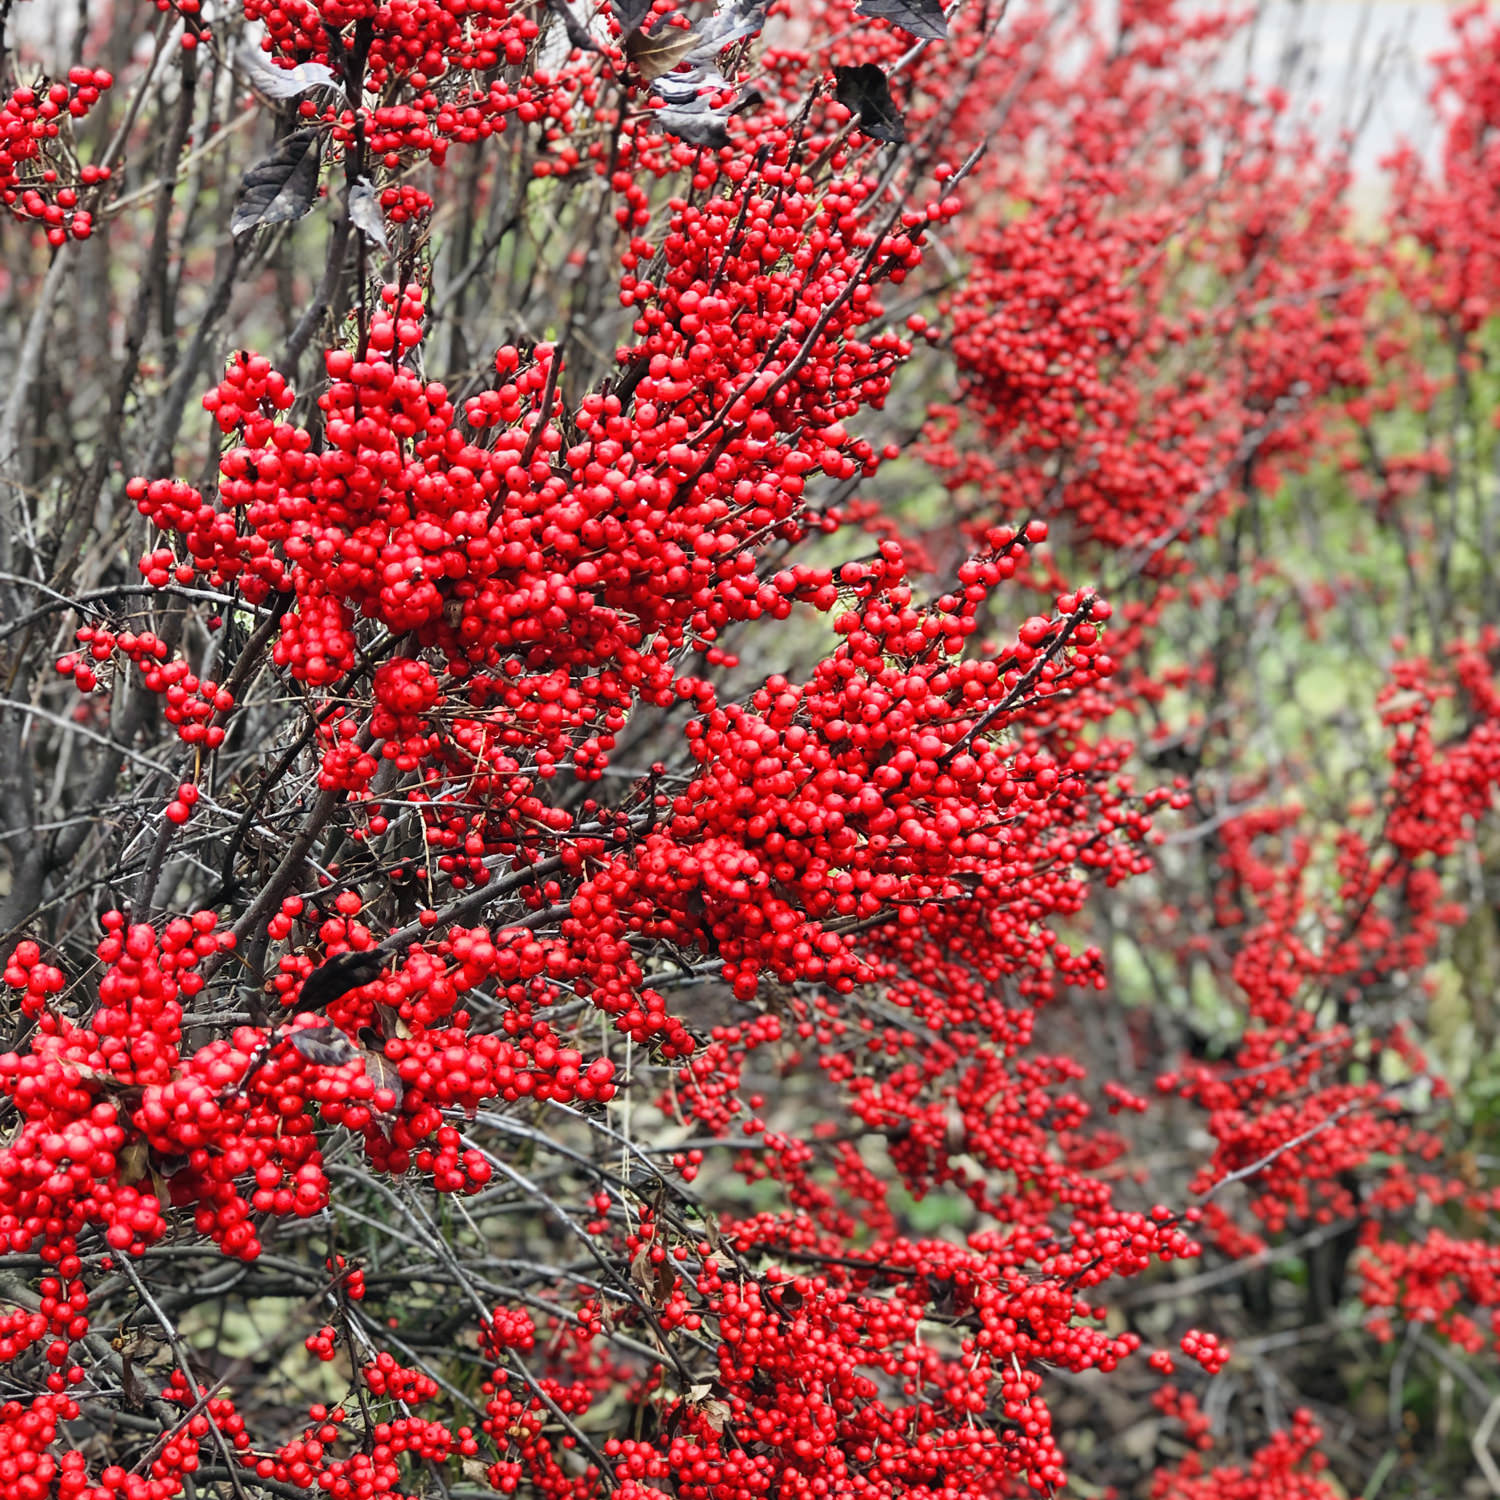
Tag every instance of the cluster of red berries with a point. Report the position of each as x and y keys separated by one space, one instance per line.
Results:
x=802 y=1359
x=351 y=1278
x=323 y=1343
x=1208 y=1349
x=67 y=1168
x=1182 y=1407
x=311 y=1463
x=402 y=203
x=1284 y=1102
x=195 y=28
x=31 y=1470
x=1451 y=213
x=881 y=855
x=1439 y=792
x=384 y=1377
x=433 y=75
x=515 y=1421
x=39 y=180
x=576 y=558
x=416 y=41
x=1431 y=1280
x=189 y=702
x=1288 y=1466
x=508 y=1328
x=1075 y=332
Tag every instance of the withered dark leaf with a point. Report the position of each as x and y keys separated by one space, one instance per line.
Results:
x=790 y=1299
x=365 y=212
x=134 y=1160
x=732 y=22
x=923 y=19
x=159 y=1185
x=711 y=1230
x=640 y=1269
x=646 y=1184
x=390 y=1020
x=715 y=1413
x=654 y=1278
x=690 y=113
x=339 y=975
x=130 y=1387
x=659 y=51
x=326 y=1046
x=630 y=14
x=704 y=127
x=383 y=1073
x=955 y=1130
x=866 y=93
x=284 y=83
x=282 y=186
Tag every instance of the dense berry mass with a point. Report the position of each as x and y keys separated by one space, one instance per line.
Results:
x=707 y=889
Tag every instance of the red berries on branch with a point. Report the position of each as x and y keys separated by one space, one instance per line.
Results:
x=189 y=702
x=41 y=179
x=675 y=1053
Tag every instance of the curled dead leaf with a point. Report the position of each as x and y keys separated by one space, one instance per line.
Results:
x=326 y=1046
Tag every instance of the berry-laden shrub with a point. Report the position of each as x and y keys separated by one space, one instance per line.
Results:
x=673 y=870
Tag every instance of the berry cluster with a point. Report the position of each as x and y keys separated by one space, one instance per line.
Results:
x=40 y=179
x=1206 y=1348
x=377 y=1467
x=815 y=921
x=33 y=1471
x=1288 y=1466
x=189 y=702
